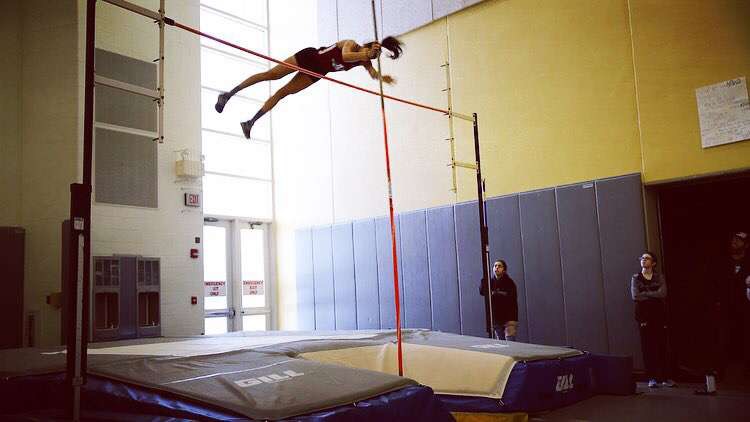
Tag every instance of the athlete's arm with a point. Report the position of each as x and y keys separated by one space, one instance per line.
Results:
x=374 y=73
x=352 y=52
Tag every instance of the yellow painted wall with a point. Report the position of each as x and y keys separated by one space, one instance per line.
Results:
x=418 y=149
x=10 y=104
x=680 y=46
x=553 y=85
x=49 y=133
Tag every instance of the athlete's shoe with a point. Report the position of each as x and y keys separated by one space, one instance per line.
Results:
x=246 y=128
x=221 y=101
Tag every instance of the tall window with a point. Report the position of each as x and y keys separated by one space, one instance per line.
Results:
x=237 y=186
x=238 y=178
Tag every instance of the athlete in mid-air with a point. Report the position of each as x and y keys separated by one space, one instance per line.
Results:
x=343 y=55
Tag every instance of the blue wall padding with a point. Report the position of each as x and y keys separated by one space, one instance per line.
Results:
x=470 y=269
x=541 y=257
x=441 y=249
x=305 y=283
x=366 y=275
x=325 y=315
x=581 y=267
x=571 y=251
x=345 y=295
x=622 y=238
x=385 y=272
x=504 y=226
x=417 y=307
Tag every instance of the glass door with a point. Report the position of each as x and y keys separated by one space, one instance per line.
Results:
x=254 y=297
x=236 y=276
x=217 y=264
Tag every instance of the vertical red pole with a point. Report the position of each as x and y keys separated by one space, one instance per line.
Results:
x=394 y=255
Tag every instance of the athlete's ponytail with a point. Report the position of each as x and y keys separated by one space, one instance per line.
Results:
x=393 y=45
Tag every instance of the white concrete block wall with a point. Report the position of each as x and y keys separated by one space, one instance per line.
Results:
x=10 y=104
x=167 y=232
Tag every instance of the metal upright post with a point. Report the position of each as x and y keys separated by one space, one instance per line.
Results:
x=80 y=239
x=160 y=101
x=482 y=220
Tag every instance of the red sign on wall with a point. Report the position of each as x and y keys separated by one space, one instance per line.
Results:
x=192 y=199
x=253 y=287
x=215 y=288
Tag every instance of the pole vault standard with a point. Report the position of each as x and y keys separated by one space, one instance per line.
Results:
x=80 y=199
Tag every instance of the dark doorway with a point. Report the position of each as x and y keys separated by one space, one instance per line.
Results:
x=698 y=219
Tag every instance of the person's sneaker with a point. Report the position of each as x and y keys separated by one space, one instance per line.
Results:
x=653 y=383
x=703 y=391
x=246 y=127
x=669 y=383
x=221 y=102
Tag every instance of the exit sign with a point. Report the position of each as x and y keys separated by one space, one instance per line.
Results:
x=192 y=199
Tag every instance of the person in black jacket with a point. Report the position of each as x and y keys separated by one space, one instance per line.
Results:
x=649 y=291
x=736 y=273
x=504 y=302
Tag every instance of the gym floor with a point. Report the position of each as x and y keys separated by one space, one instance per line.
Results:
x=730 y=403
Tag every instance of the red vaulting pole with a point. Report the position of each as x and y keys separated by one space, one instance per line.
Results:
x=396 y=295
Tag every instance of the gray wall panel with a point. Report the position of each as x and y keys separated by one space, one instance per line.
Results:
x=441 y=250
x=581 y=268
x=325 y=314
x=541 y=257
x=327 y=22
x=125 y=69
x=125 y=169
x=442 y=8
x=366 y=275
x=469 y=247
x=417 y=307
x=125 y=109
x=355 y=20
x=385 y=272
x=305 y=283
x=345 y=296
x=504 y=225
x=403 y=16
x=622 y=238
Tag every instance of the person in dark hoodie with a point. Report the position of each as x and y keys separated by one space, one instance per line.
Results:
x=503 y=302
x=648 y=289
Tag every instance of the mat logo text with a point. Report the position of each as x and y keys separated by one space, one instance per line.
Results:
x=268 y=379
x=564 y=383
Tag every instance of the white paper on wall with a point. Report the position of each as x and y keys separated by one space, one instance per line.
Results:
x=724 y=112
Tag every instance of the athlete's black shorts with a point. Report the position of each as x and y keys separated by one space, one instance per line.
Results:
x=308 y=58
